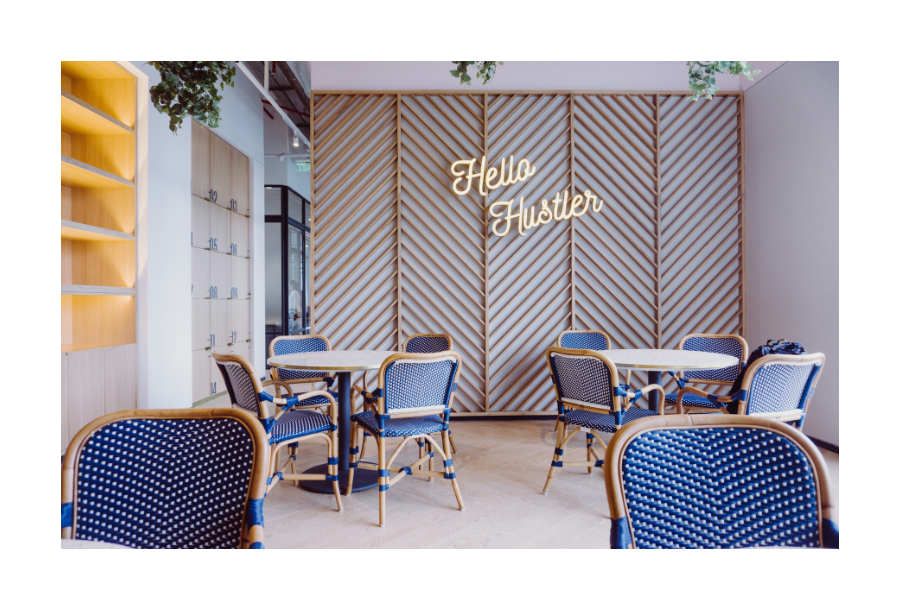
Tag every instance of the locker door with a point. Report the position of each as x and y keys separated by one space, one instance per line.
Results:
x=220 y=171
x=240 y=235
x=199 y=160
x=217 y=385
x=240 y=281
x=219 y=275
x=219 y=229
x=240 y=183
x=240 y=319
x=241 y=349
x=200 y=273
x=200 y=367
x=200 y=329
x=218 y=322
x=200 y=222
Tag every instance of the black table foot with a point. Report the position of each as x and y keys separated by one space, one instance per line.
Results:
x=363 y=479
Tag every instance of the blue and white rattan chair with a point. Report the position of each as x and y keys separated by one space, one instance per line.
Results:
x=717 y=481
x=589 y=398
x=732 y=345
x=287 y=421
x=777 y=386
x=301 y=344
x=413 y=400
x=596 y=340
x=421 y=343
x=165 y=479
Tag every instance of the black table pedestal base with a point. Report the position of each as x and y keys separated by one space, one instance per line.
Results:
x=363 y=479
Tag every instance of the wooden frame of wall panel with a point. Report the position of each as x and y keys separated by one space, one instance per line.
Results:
x=667 y=169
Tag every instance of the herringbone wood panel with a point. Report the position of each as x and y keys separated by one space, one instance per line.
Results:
x=397 y=252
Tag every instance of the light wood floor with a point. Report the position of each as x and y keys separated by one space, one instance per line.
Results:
x=501 y=468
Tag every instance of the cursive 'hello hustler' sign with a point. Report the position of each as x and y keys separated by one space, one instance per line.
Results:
x=503 y=211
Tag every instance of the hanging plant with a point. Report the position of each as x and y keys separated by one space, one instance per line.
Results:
x=189 y=88
x=702 y=75
x=485 y=70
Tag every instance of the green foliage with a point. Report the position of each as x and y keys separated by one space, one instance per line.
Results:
x=485 y=70
x=188 y=88
x=702 y=75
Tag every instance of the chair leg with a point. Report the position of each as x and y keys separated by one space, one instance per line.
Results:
x=333 y=468
x=354 y=461
x=430 y=450
x=382 y=483
x=557 y=454
x=362 y=451
x=452 y=444
x=590 y=443
x=293 y=453
x=448 y=467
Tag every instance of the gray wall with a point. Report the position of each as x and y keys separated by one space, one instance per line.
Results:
x=791 y=150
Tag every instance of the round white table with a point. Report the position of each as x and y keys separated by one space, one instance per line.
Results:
x=656 y=361
x=344 y=363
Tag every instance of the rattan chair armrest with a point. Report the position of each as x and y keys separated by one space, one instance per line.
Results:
x=332 y=405
x=650 y=388
x=278 y=384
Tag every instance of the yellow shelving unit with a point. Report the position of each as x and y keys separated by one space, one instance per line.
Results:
x=97 y=232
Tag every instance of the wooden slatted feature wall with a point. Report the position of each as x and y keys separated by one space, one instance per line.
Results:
x=397 y=252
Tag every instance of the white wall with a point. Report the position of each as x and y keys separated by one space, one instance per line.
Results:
x=519 y=75
x=164 y=253
x=792 y=221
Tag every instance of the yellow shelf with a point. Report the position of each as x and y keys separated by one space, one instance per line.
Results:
x=93 y=70
x=78 y=231
x=81 y=175
x=77 y=347
x=82 y=118
x=96 y=290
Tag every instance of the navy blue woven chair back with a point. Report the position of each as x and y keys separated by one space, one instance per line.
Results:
x=718 y=488
x=584 y=340
x=164 y=483
x=300 y=345
x=717 y=345
x=427 y=345
x=414 y=384
x=779 y=387
x=241 y=390
x=582 y=378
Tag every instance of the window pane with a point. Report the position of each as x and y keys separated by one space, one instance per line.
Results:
x=273 y=202
x=295 y=207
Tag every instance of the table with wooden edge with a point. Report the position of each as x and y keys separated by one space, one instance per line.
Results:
x=658 y=361
x=344 y=363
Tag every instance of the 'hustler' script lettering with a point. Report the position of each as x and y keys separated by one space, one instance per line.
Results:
x=505 y=212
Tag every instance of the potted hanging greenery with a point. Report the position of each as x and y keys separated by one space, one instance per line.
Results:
x=701 y=74
x=191 y=88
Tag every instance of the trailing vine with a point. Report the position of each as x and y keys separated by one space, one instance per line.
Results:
x=702 y=75
x=189 y=88
x=485 y=70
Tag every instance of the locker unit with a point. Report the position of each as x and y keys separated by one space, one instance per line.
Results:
x=220 y=263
